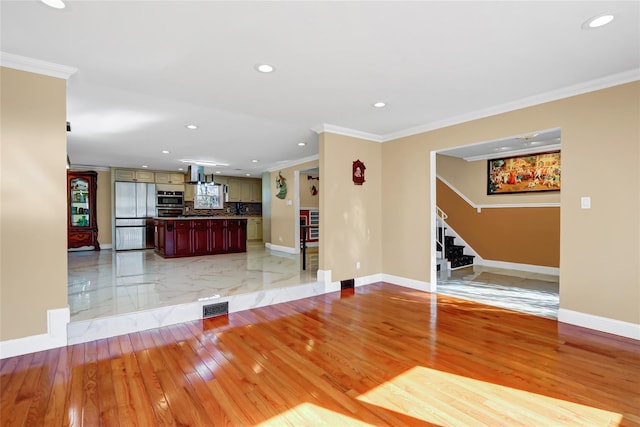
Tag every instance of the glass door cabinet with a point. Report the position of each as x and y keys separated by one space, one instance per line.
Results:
x=82 y=228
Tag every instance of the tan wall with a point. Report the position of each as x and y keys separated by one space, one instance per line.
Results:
x=470 y=178
x=350 y=220
x=284 y=220
x=103 y=201
x=307 y=199
x=600 y=133
x=520 y=235
x=33 y=223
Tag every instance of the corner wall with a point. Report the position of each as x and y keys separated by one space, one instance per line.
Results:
x=351 y=215
x=33 y=223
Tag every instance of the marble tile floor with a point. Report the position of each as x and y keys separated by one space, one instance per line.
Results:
x=531 y=293
x=111 y=293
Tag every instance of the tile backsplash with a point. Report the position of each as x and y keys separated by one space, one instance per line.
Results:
x=230 y=209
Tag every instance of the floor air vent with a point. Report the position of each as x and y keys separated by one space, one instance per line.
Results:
x=212 y=310
x=347 y=284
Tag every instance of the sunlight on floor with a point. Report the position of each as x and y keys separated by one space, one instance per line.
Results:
x=307 y=414
x=449 y=399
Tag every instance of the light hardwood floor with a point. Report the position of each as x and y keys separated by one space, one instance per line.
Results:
x=379 y=355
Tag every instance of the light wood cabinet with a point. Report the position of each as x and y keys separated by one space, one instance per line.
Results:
x=134 y=175
x=169 y=178
x=189 y=192
x=254 y=229
x=245 y=190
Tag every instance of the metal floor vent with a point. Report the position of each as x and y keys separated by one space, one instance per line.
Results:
x=212 y=310
x=347 y=284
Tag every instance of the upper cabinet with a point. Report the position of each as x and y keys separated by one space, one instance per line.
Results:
x=134 y=175
x=245 y=190
x=169 y=178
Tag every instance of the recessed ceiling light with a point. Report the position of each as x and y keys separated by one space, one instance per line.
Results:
x=501 y=148
x=145 y=166
x=254 y=161
x=265 y=68
x=180 y=169
x=218 y=172
x=191 y=127
x=247 y=174
x=379 y=104
x=165 y=151
x=302 y=144
x=56 y=4
x=597 y=21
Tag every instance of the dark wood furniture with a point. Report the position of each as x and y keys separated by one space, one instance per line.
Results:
x=82 y=226
x=182 y=237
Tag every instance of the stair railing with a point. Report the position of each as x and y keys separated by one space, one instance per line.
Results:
x=440 y=217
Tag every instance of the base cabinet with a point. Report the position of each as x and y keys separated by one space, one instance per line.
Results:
x=185 y=237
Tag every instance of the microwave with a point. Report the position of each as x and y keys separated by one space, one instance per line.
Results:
x=170 y=199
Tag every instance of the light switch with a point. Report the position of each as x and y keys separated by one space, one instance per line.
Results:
x=585 y=202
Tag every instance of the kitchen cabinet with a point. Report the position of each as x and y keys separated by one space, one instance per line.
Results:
x=237 y=235
x=169 y=178
x=245 y=190
x=182 y=238
x=134 y=175
x=254 y=229
x=189 y=192
x=82 y=226
x=178 y=237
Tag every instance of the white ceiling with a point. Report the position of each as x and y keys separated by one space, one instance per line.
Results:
x=148 y=68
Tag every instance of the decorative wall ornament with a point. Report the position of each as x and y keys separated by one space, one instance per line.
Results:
x=281 y=184
x=358 y=172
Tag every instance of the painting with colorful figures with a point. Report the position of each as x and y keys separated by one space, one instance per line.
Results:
x=524 y=174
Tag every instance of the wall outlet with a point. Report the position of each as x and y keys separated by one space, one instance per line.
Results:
x=358 y=265
x=280 y=238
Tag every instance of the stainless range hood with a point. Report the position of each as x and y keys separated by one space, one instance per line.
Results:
x=195 y=174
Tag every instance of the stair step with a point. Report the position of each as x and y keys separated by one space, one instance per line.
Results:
x=461 y=261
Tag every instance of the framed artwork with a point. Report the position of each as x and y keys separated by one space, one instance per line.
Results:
x=524 y=174
x=358 y=172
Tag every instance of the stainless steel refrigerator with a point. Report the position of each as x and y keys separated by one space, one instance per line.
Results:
x=135 y=206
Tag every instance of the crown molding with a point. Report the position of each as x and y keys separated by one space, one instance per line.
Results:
x=325 y=127
x=37 y=66
x=290 y=163
x=579 y=89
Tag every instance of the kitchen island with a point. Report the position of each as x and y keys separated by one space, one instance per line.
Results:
x=197 y=235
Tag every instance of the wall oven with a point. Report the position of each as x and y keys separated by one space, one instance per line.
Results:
x=169 y=212
x=170 y=199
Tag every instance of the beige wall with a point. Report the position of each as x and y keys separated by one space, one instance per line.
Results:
x=103 y=201
x=519 y=235
x=470 y=178
x=350 y=220
x=308 y=200
x=600 y=157
x=33 y=223
x=283 y=219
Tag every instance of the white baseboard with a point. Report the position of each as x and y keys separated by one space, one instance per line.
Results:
x=554 y=271
x=55 y=337
x=408 y=283
x=285 y=249
x=598 y=323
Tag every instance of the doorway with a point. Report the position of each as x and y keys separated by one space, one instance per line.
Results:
x=530 y=285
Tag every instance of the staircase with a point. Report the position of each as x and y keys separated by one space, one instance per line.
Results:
x=453 y=256
x=453 y=253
